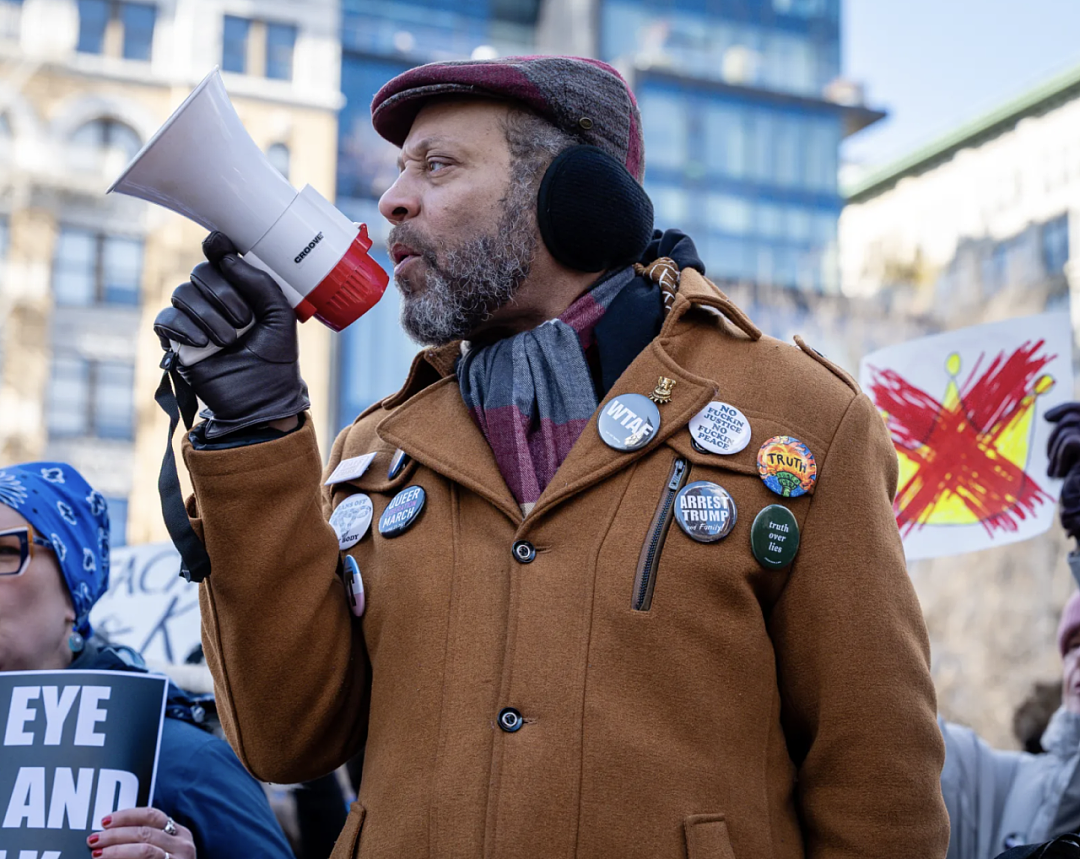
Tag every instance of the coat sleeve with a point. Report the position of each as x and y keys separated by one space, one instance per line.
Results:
x=975 y=783
x=289 y=664
x=857 y=702
x=209 y=792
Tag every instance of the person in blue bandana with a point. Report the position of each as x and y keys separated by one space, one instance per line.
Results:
x=54 y=565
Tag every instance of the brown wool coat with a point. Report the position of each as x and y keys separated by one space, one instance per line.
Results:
x=748 y=714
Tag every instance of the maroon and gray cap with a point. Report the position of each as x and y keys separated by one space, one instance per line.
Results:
x=585 y=98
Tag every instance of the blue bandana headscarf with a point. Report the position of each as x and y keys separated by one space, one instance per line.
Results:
x=64 y=509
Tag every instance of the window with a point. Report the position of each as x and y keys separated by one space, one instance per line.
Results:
x=90 y=268
x=822 y=154
x=278 y=155
x=280 y=40
x=762 y=152
x=93 y=20
x=671 y=205
x=726 y=143
x=1055 y=244
x=138 y=23
x=234 y=44
x=114 y=399
x=787 y=151
x=91 y=398
x=69 y=397
x=116 y=28
x=728 y=214
x=5 y=237
x=664 y=123
x=93 y=145
x=262 y=48
x=10 y=14
x=118 y=518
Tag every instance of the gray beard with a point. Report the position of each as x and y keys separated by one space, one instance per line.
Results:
x=467 y=282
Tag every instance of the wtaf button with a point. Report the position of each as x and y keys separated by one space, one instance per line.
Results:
x=510 y=720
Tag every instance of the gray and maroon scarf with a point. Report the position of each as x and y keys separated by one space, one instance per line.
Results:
x=532 y=394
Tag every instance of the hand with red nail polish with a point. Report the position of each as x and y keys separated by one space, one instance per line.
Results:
x=140 y=833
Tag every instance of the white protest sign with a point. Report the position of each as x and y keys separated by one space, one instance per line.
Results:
x=76 y=746
x=148 y=607
x=965 y=410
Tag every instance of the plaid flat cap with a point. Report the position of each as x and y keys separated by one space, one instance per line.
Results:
x=585 y=98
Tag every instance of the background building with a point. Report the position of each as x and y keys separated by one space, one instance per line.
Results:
x=83 y=85
x=743 y=108
x=977 y=226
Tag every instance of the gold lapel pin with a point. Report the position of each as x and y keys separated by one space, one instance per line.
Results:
x=662 y=392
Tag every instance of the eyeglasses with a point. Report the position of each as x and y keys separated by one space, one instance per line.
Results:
x=17 y=549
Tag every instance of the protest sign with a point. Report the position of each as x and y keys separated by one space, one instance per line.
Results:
x=148 y=607
x=965 y=410
x=77 y=745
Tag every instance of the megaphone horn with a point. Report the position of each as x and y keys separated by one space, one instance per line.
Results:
x=203 y=164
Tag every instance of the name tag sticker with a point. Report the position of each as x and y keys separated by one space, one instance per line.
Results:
x=350 y=469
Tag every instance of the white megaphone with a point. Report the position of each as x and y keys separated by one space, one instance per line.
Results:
x=203 y=164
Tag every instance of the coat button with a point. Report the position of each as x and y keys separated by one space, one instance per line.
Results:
x=510 y=720
x=524 y=552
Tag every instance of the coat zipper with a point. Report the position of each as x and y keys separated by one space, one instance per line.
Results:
x=645 y=579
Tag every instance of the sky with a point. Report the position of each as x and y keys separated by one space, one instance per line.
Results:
x=932 y=64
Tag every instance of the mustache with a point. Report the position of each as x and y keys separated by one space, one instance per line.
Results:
x=407 y=234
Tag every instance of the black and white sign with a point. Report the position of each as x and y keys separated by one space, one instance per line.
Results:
x=148 y=607
x=76 y=746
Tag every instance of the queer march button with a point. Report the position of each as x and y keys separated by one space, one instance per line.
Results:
x=401 y=513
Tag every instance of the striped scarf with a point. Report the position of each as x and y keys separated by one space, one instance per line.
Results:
x=532 y=394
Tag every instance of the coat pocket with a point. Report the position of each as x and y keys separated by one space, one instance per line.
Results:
x=707 y=837
x=349 y=839
x=649 y=560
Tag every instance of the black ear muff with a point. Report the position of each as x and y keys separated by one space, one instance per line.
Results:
x=593 y=215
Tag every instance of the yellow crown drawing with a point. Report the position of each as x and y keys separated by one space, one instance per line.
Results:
x=1008 y=441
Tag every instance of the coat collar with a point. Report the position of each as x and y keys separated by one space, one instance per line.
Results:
x=430 y=422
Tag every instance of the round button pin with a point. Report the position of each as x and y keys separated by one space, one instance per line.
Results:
x=397 y=464
x=628 y=422
x=354 y=586
x=705 y=511
x=720 y=428
x=774 y=537
x=350 y=520
x=787 y=466
x=402 y=511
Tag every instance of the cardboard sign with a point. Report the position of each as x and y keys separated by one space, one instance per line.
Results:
x=75 y=746
x=965 y=410
x=148 y=607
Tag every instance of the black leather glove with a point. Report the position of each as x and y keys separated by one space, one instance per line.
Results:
x=255 y=378
x=1063 y=451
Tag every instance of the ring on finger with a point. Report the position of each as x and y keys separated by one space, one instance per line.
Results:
x=170 y=829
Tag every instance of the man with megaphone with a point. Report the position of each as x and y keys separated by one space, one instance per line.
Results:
x=611 y=575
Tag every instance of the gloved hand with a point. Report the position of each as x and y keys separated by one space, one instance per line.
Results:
x=1063 y=451
x=255 y=378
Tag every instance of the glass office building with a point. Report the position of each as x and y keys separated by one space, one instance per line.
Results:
x=741 y=140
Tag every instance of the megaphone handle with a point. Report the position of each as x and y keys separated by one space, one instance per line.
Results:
x=190 y=355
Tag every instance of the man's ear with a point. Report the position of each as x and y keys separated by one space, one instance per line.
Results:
x=593 y=215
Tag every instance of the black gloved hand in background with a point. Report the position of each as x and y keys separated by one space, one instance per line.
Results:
x=1063 y=450
x=255 y=378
